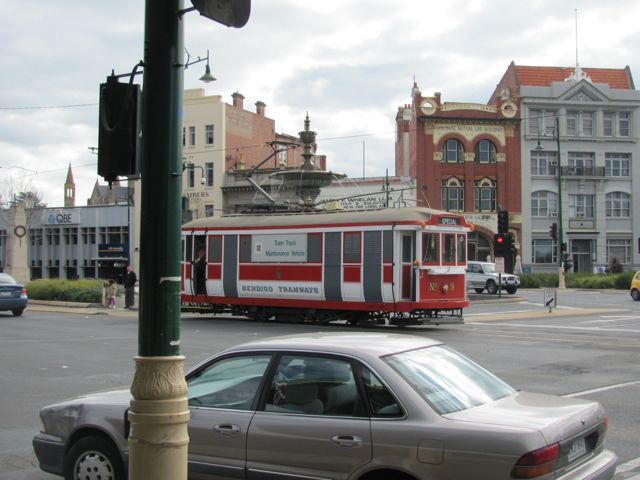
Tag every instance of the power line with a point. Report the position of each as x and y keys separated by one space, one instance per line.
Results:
x=44 y=107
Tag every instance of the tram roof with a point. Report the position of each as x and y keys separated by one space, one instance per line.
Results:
x=325 y=217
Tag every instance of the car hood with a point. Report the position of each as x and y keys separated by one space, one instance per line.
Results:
x=557 y=418
x=108 y=397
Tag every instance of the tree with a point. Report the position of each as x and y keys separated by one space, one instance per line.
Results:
x=19 y=192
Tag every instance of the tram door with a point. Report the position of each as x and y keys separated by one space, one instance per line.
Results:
x=199 y=263
x=406 y=281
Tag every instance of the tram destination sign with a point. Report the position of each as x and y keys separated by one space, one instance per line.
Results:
x=279 y=248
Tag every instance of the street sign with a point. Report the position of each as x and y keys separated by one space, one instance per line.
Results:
x=550 y=298
x=499 y=264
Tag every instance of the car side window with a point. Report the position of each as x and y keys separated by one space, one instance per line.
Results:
x=381 y=401
x=228 y=383
x=314 y=385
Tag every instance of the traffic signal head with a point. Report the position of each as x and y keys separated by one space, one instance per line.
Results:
x=553 y=231
x=500 y=244
x=503 y=221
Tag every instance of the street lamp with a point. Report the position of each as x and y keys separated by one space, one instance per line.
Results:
x=560 y=239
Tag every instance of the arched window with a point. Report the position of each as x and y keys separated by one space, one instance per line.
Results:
x=485 y=152
x=485 y=195
x=544 y=204
x=452 y=151
x=453 y=195
x=618 y=204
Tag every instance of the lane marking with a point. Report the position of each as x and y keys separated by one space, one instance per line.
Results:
x=562 y=327
x=603 y=389
x=609 y=320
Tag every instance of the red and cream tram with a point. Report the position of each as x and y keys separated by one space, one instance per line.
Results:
x=396 y=266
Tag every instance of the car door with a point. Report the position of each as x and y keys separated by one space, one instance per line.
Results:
x=472 y=274
x=222 y=399
x=312 y=422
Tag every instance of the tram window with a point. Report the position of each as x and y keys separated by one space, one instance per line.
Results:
x=449 y=250
x=430 y=247
x=245 y=248
x=215 y=249
x=352 y=247
x=314 y=247
x=183 y=246
x=387 y=246
x=462 y=249
x=407 y=250
x=199 y=246
x=189 y=246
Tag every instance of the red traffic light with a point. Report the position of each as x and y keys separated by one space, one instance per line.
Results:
x=499 y=239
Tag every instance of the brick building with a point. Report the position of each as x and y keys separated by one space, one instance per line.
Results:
x=465 y=158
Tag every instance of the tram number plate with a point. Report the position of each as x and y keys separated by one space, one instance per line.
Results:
x=578 y=449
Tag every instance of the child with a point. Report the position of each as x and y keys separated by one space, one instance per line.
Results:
x=111 y=293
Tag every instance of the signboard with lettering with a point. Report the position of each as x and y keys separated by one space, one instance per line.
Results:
x=113 y=250
x=499 y=261
x=62 y=217
x=279 y=248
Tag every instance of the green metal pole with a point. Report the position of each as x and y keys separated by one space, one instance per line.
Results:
x=159 y=413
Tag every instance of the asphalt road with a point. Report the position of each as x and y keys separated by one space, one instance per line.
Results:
x=589 y=347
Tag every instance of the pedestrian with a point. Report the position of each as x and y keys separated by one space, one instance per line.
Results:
x=200 y=273
x=130 y=280
x=111 y=294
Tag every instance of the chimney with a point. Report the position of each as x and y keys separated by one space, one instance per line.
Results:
x=260 y=108
x=238 y=100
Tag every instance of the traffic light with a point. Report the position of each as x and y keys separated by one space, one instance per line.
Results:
x=500 y=243
x=563 y=247
x=119 y=128
x=503 y=221
x=553 y=231
x=232 y=13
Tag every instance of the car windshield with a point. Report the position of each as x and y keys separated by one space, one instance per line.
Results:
x=4 y=278
x=448 y=380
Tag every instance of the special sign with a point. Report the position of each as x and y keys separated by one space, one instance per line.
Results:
x=279 y=249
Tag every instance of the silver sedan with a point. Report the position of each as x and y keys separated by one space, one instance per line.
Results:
x=345 y=406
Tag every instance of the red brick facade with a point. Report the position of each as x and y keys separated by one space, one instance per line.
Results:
x=438 y=143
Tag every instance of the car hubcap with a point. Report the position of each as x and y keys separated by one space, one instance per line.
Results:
x=93 y=466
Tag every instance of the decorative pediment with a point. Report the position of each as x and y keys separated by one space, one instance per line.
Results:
x=583 y=91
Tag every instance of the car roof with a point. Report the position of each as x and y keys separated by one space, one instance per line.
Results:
x=359 y=344
x=6 y=278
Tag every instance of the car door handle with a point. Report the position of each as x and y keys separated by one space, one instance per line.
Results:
x=351 y=441
x=226 y=429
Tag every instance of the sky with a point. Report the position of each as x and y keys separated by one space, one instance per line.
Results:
x=349 y=63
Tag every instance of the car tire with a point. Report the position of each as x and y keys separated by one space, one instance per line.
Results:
x=17 y=311
x=491 y=287
x=93 y=458
x=635 y=294
x=512 y=290
x=479 y=290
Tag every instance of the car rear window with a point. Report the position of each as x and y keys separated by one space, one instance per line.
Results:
x=447 y=380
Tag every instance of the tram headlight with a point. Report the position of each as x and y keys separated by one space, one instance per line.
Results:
x=445 y=288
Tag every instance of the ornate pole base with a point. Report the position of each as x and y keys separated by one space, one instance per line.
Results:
x=561 y=284
x=159 y=414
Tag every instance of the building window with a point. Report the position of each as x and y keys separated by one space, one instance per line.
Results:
x=192 y=136
x=620 y=249
x=208 y=210
x=484 y=192
x=544 y=204
x=541 y=122
x=543 y=163
x=191 y=177
x=282 y=157
x=485 y=152
x=618 y=204
x=453 y=195
x=208 y=134
x=617 y=164
x=579 y=124
x=452 y=151
x=208 y=174
x=616 y=124
x=581 y=163
x=184 y=136
x=544 y=250
x=581 y=206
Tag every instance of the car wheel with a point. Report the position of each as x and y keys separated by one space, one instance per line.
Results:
x=17 y=311
x=635 y=294
x=512 y=290
x=93 y=458
x=479 y=290
x=491 y=287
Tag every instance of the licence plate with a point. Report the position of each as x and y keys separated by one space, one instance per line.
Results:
x=5 y=294
x=578 y=449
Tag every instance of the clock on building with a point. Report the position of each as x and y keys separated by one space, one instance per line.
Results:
x=509 y=109
x=428 y=106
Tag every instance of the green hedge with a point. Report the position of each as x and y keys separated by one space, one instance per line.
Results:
x=620 y=281
x=87 y=290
